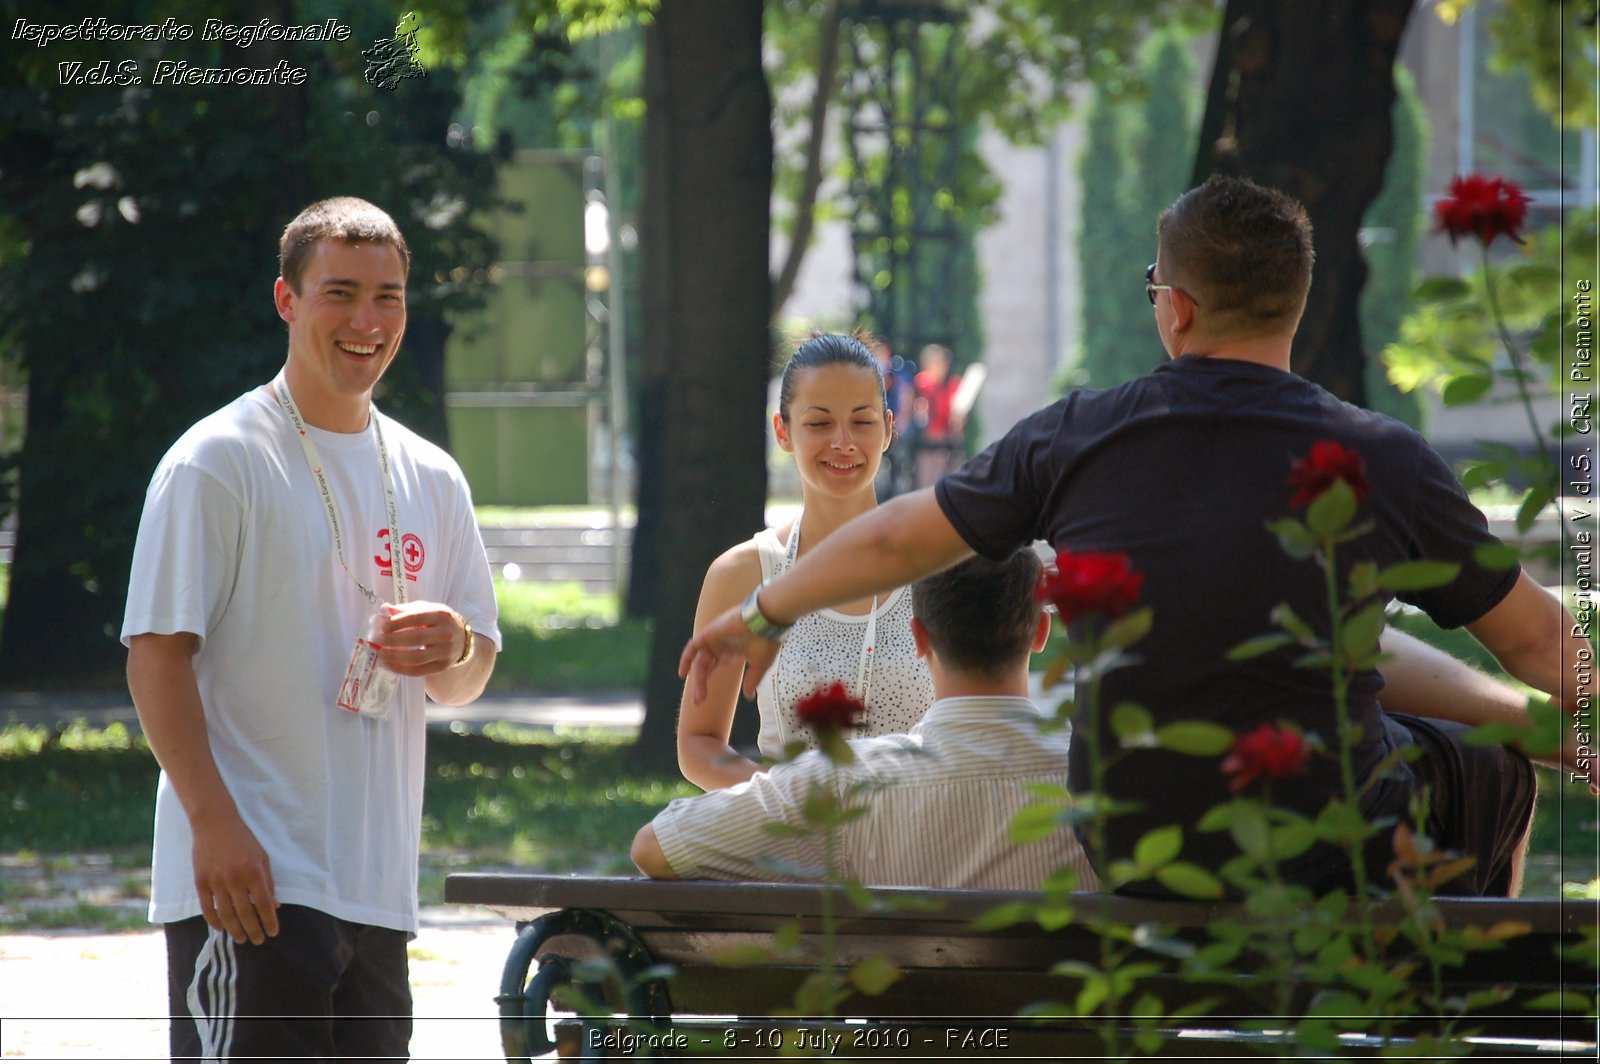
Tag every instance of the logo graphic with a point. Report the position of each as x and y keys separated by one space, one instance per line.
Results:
x=412 y=553
x=391 y=62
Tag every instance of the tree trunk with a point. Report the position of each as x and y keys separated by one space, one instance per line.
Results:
x=707 y=301
x=1300 y=99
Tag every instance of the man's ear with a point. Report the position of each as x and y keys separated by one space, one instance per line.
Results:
x=283 y=296
x=1183 y=309
x=1041 y=631
x=919 y=635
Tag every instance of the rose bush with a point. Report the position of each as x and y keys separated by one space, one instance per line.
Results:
x=1482 y=207
x=1326 y=462
x=829 y=709
x=1091 y=584
x=1268 y=753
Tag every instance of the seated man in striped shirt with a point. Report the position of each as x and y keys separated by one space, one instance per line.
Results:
x=937 y=800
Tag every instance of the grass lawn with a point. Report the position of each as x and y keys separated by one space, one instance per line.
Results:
x=559 y=638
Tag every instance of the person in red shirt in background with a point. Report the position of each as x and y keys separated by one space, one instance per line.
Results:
x=940 y=444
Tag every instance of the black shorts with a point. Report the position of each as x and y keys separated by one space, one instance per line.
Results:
x=1481 y=801
x=1480 y=805
x=321 y=989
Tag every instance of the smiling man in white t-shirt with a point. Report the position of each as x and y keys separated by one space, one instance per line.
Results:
x=277 y=532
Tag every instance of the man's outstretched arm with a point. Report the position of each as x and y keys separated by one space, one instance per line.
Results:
x=893 y=545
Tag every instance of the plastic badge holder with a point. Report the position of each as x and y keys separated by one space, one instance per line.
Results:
x=368 y=687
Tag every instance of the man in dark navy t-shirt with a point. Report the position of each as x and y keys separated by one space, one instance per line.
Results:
x=1182 y=470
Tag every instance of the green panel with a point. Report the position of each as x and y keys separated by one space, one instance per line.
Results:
x=523 y=456
x=548 y=227
x=542 y=329
x=473 y=435
x=544 y=456
x=472 y=353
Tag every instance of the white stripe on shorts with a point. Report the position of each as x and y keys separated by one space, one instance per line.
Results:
x=213 y=996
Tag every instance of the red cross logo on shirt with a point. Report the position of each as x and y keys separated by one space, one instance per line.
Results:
x=411 y=550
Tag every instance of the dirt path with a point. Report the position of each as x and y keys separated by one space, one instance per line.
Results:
x=70 y=995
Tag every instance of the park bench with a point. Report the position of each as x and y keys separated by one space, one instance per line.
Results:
x=961 y=988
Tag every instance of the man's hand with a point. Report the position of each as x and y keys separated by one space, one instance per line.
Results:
x=726 y=641
x=234 y=879
x=421 y=638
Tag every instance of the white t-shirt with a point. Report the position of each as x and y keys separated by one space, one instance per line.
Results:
x=939 y=801
x=234 y=546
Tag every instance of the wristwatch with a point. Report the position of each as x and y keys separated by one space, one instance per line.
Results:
x=466 y=649
x=756 y=621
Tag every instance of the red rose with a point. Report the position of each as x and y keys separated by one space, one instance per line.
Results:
x=1100 y=584
x=1269 y=753
x=829 y=709
x=1484 y=207
x=1327 y=462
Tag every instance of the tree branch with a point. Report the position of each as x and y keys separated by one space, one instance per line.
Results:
x=806 y=205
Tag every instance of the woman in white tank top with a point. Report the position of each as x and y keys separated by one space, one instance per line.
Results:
x=832 y=418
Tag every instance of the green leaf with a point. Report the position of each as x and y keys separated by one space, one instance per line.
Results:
x=1217 y=818
x=875 y=974
x=1190 y=880
x=1249 y=830
x=1128 y=629
x=1497 y=556
x=1332 y=511
x=1053 y=917
x=1539 y=496
x=1562 y=1001
x=860 y=896
x=1157 y=847
x=786 y=937
x=1481 y=474
x=1095 y=991
x=1417 y=576
x=1008 y=914
x=1291 y=840
x=1440 y=290
x=1466 y=388
x=1197 y=737
x=1363 y=580
x=1034 y=822
x=1359 y=636
x=1130 y=721
x=1373 y=980
x=1536 y=275
x=1284 y=617
x=1295 y=538
x=1342 y=822
x=836 y=747
x=1261 y=644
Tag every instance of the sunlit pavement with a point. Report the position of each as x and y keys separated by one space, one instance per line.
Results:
x=71 y=995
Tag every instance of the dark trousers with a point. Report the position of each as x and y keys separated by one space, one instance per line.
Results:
x=322 y=989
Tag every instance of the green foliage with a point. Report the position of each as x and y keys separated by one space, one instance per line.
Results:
x=561 y=638
x=1509 y=328
x=1554 y=43
x=1394 y=222
x=137 y=235
x=83 y=789
x=1134 y=164
x=555 y=802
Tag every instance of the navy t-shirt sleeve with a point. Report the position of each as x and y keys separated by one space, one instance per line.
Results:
x=1448 y=527
x=997 y=501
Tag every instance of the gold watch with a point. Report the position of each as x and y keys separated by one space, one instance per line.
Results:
x=466 y=650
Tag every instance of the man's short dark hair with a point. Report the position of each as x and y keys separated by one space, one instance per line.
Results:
x=345 y=219
x=1243 y=252
x=981 y=615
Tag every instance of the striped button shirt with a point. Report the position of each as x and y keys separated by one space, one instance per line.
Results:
x=938 y=803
